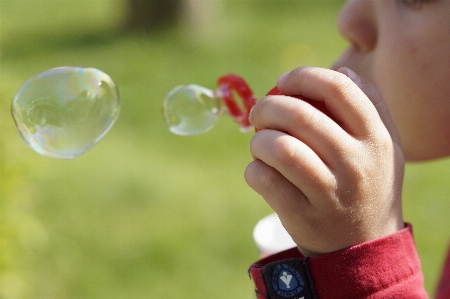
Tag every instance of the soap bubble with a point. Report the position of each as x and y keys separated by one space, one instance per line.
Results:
x=63 y=112
x=191 y=110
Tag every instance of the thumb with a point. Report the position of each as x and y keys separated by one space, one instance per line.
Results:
x=377 y=100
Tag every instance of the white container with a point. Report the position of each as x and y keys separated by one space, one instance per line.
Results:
x=271 y=237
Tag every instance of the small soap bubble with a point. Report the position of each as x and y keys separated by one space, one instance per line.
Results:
x=63 y=112
x=191 y=110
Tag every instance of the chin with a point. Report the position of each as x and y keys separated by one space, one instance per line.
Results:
x=423 y=155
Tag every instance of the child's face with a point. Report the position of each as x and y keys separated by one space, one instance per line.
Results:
x=404 y=50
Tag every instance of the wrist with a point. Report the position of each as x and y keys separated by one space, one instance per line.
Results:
x=325 y=243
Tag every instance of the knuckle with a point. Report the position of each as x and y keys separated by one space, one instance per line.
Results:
x=367 y=166
x=261 y=178
x=286 y=150
x=311 y=118
x=268 y=183
x=339 y=85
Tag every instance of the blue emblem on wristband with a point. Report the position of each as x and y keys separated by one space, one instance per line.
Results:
x=286 y=281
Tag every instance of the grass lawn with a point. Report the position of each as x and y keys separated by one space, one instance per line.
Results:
x=147 y=214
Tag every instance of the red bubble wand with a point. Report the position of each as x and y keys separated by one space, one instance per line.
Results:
x=193 y=109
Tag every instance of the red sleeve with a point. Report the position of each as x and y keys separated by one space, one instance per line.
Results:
x=443 y=290
x=388 y=267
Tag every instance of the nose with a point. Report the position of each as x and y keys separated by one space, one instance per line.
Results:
x=357 y=23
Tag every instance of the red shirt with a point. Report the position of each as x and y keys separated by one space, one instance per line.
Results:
x=388 y=267
x=443 y=290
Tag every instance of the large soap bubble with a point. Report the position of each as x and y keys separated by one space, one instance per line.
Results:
x=63 y=112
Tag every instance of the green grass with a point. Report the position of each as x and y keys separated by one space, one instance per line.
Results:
x=146 y=214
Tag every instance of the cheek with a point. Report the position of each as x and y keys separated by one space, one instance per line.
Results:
x=413 y=77
x=397 y=76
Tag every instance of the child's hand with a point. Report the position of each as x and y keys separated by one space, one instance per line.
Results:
x=332 y=185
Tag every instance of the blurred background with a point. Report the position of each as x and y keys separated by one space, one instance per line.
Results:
x=147 y=214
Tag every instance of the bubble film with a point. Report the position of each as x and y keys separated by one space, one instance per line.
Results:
x=191 y=110
x=63 y=112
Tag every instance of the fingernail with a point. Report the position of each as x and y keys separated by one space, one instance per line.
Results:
x=250 y=113
x=351 y=74
x=282 y=77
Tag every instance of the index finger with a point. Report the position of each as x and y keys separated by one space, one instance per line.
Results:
x=347 y=103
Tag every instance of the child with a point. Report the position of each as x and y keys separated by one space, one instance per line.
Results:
x=336 y=182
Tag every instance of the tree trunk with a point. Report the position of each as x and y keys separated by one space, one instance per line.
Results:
x=153 y=15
